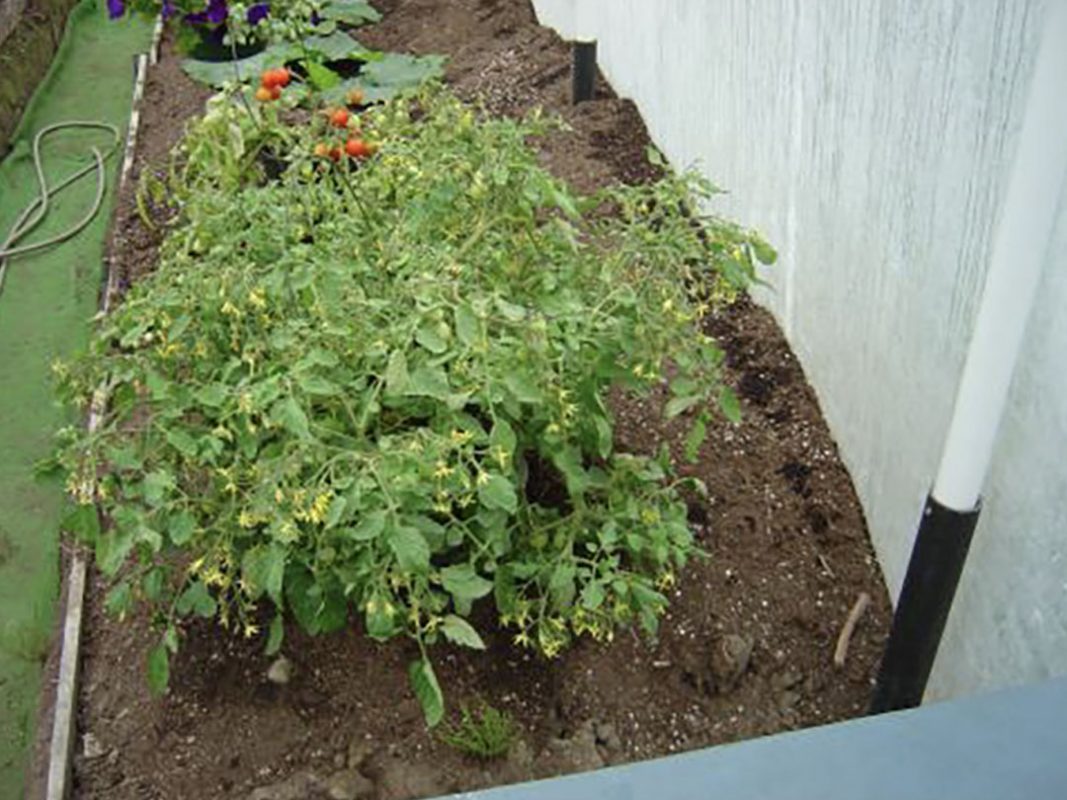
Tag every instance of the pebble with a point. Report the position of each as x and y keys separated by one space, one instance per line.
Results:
x=281 y=671
x=348 y=785
x=298 y=786
x=92 y=747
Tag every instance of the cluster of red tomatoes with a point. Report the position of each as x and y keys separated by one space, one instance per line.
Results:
x=271 y=83
x=354 y=146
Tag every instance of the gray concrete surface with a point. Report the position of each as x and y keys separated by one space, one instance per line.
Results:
x=1003 y=746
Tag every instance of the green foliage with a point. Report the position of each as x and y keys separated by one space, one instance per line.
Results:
x=382 y=386
x=485 y=733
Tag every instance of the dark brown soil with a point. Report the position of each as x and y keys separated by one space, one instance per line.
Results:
x=170 y=100
x=745 y=650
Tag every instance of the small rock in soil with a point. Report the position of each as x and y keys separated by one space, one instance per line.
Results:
x=608 y=737
x=281 y=671
x=92 y=747
x=729 y=661
x=786 y=679
x=299 y=786
x=348 y=785
x=359 y=750
x=579 y=753
x=402 y=778
x=516 y=769
x=787 y=699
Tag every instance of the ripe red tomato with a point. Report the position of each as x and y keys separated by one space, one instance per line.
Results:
x=339 y=118
x=335 y=154
x=275 y=92
x=356 y=148
x=282 y=77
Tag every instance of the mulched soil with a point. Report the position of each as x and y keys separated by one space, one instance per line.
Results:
x=745 y=650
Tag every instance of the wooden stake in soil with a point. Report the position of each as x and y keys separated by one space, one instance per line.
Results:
x=841 y=651
x=59 y=752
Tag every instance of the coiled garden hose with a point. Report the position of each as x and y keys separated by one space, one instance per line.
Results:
x=37 y=210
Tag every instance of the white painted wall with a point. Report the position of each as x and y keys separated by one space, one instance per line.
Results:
x=870 y=140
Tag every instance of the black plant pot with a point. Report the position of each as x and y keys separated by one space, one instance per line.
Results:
x=208 y=45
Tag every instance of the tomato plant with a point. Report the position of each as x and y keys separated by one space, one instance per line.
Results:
x=382 y=390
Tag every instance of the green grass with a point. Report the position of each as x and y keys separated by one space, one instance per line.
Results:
x=45 y=307
x=484 y=733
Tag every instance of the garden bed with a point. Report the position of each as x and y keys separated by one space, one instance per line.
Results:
x=745 y=649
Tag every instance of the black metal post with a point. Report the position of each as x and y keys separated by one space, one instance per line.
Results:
x=583 y=76
x=934 y=569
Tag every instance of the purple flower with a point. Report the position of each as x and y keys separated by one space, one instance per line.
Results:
x=258 y=12
x=215 y=13
x=115 y=8
x=168 y=9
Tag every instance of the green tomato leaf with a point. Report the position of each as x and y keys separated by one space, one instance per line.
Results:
x=429 y=382
x=119 y=600
x=459 y=631
x=605 y=438
x=764 y=253
x=275 y=635
x=680 y=405
x=213 y=395
x=370 y=527
x=498 y=492
x=112 y=548
x=291 y=416
x=156 y=486
x=181 y=527
x=158 y=669
x=468 y=326
x=463 y=581
x=152 y=584
x=196 y=599
x=182 y=442
x=592 y=596
x=695 y=438
x=523 y=388
x=729 y=404
x=82 y=522
x=410 y=548
x=397 y=379
x=427 y=690
x=263 y=570
x=561 y=587
x=503 y=437
x=429 y=337
x=318 y=386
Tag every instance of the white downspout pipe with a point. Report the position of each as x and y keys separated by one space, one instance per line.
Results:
x=1019 y=250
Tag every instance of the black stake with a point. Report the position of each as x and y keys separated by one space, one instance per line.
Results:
x=930 y=584
x=583 y=85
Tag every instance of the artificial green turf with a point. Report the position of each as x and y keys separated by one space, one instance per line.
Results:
x=45 y=308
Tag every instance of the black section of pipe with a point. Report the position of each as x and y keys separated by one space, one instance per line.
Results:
x=934 y=570
x=583 y=75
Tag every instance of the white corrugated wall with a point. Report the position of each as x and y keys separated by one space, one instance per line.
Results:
x=870 y=140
